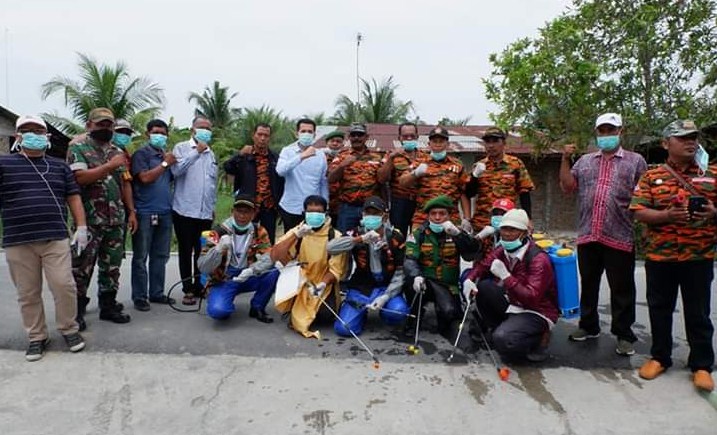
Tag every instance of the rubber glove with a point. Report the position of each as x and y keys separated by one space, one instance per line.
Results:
x=303 y=230
x=469 y=290
x=378 y=303
x=450 y=228
x=486 y=232
x=318 y=289
x=80 y=239
x=478 y=169
x=244 y=275
x=498 y=269
x=419 y=284
x=421 y=170
x=370 y=237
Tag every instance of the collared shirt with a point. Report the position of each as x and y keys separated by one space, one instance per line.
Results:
x=437 y=256
x=605 y=187
x=445 y=177
x=359 y=180
x=155 y=197
x=694 y=240
x=102 y=199
x=506 y=178
x=263 y=187
x=195 y=181
x=302 y=177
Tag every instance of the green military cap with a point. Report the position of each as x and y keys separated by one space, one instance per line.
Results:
x=440 y=201
x=681 y=127
x=101 y=114
x=335 y=133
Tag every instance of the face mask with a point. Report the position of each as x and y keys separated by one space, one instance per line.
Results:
x=436 y=228
x=158 y=140
x=607 y=143
x=34 y=141
x=410 y=145
x=495 y=221
x=371 y=222
x=701 y=157
x=438 y=155
x=121 y=140
x=331 y=152
x=203 y=135
x=103 y=135
x=306 y=139
x=315 y=219
x=512 y=245
x=241 y=228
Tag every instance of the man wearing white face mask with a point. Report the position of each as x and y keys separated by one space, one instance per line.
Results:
x=34 y=190
x=304 y=170
x=604 y=181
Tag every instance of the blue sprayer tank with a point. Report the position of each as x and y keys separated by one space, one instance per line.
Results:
x=565 y=266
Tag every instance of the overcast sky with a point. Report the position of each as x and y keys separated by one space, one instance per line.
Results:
x=296 y=56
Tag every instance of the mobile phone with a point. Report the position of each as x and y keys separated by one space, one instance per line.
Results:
x=154 y=220
x=696 y=203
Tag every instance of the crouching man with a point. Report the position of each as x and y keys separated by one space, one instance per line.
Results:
x=376 y=283
x=516 y=298
x=239 y=262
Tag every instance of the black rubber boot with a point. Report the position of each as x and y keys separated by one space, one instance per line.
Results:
x=110 y=311
x=82 y=302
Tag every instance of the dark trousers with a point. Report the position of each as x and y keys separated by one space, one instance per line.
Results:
x=290 y=220
x=619 y=266
x=401 y=213
x=150 y=242
x=349 y=217
x=267 y=219
x=189 y=231
x=447 y=306
x=694 y=279
x=514 y=335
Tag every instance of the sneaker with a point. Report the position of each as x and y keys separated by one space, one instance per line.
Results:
x=141 y=305
x=36 y=349
x=162 y=300
x=703 y=380
x=651 y=369
x=74 y=341
x=581 y=335
x=624 y=348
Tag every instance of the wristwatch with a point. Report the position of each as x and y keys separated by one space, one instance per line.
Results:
x=164 y=164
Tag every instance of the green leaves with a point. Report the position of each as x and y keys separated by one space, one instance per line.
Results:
x=379 y=104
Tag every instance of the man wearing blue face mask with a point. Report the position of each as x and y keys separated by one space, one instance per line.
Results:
x=195 y=194
x=304 y=169
x=153 y=199
x=377 y=281
x=604 y=181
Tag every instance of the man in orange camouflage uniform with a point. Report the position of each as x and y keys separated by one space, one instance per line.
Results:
x=334 y=143
x=436 y=175
x=403 y=200
x=497 y=176
x=356 y=171
x=680 y=249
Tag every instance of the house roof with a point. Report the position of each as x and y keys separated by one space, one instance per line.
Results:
x=58 y=139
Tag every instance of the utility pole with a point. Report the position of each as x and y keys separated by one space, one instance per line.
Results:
x=359 y=38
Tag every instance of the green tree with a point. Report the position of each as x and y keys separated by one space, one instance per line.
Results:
x=282 y=129
x=100 y=85
x=215 y=103
x=347 y=111
x=379 y=104
x=446 y=121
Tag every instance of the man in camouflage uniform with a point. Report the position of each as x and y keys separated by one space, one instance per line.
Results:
x=497 y=176
x=334 y=144
x=99 y=167
x=438 y=174
x=356 y=169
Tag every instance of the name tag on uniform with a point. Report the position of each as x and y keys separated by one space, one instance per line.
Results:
x=703 y=180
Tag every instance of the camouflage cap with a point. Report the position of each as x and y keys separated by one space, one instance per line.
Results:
x=101 y=114
x=440 y=132
x=123 y=124
x=493 y=132
x=441 y=201
x=681 y=127
x=357 y=127
x=335 y=133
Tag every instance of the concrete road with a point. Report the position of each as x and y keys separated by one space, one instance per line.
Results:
x=174 y=373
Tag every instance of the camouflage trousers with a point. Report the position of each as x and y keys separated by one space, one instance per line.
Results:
x=106 y=247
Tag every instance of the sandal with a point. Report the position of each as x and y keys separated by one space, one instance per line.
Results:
x=189 y=299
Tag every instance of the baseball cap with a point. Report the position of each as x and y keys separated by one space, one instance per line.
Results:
x=123 y=124
x=333 y=134
x=439 y=131
x=101 y=114
x=243 y=200
x=493 y=132
x=29 y=119
x=681 y=127
x=609 y=118
x=375 y=202
x=503 y=204
x=357 y=128
x=516 y=218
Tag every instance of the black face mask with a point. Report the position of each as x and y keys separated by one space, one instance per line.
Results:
x=102 y=136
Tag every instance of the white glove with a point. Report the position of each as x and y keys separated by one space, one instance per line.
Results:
x=303 y=230
x=498 y=269
x=225 y=243
x=318 y=289
x=469 y=289
x=478 y=169
x=421 y=170
x=466 y=226
x=378 y=303
x=80 y=239
x=371 y=237
x=450 y=228
x=244 y=275
x=486 y=232
x=419 y=284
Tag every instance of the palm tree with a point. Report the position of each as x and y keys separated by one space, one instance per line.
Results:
x=282 y=129
x=447 y=122
x=347 y=111
x=319 y=118
x=379 y=104
x=214 y=104
x=102 y=85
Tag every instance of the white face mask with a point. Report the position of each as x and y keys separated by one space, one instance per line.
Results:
x=306 y=139
x=702 y=158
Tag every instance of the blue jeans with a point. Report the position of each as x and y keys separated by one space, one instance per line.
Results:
x=401 y=213
x=220 y=302
x=349 y=217
x=151 y=241
x=353 y=311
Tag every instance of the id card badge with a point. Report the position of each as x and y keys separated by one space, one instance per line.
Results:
x=154 y=220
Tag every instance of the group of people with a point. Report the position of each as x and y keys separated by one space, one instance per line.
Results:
x=368 y=232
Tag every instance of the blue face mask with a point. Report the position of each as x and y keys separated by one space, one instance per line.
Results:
x=512 y=245
x=436 y=228
x=315 y=219
x=702 y=158
x=203 y=135
x=306 y=139
x=371 y=222
x=409 y=145
x=34 y=141
x=241 y=228
x=438 y=155
x=121 y=140
x=158 y=140
x=495 y=221
x=607 y=143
